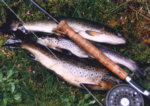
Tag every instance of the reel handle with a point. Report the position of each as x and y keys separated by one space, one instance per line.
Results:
x=91 y=49
x=137 y=87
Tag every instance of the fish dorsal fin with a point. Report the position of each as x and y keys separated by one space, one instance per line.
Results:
x=93 y=86
x=32 y=56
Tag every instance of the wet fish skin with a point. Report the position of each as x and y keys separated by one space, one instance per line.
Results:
x=57 y=43
x=64 y=43
x=72 y=69
x=87 y=29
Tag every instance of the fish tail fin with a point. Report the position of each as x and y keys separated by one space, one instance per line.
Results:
x=9 y=19
x=143 y=69
x=13 y=42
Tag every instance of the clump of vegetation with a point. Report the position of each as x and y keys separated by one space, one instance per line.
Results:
x=9 y=89
x=28 y=83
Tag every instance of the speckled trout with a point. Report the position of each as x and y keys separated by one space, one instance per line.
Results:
x=73 y=70
x=87 y=29
x=67 y=44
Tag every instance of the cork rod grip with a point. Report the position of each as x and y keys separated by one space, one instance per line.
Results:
x=91 y=49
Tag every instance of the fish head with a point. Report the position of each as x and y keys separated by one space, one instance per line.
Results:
x=13 y=42
x=118 y=39
x=51 y=42
x=113 y=37
x=106 y=36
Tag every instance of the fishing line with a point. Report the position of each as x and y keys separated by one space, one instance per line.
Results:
x=46 y=46
x=31 y=31
x=91 y=94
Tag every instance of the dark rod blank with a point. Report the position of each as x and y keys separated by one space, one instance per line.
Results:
x=44 y=11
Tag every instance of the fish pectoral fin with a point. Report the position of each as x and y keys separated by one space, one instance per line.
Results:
x=64 y=51
x=92 y=86
x=61 y=50
x=32 y=56
x=56 y=48
x=94 y=33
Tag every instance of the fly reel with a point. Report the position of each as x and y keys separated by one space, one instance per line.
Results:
x=124 y=95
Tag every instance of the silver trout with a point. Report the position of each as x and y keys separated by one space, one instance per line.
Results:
x=87 y=29
x=74 y=70
x=64 y=43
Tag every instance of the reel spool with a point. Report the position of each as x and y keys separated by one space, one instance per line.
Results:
x=124 y=95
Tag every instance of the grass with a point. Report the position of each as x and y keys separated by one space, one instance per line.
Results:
x=26 y=82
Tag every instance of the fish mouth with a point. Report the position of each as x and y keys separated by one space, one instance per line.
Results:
x=13 y=42
x=121 y=40
x=118 y=40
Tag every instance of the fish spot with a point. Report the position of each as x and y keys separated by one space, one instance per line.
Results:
x=105 y=78
x=86 y=75
x=80 y=72
x=55 y=41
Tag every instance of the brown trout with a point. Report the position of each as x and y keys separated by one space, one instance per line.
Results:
x=73 y=70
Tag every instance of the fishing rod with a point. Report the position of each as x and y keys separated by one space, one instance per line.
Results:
x=91 y=49
x=82 y=85
x=123 y=99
